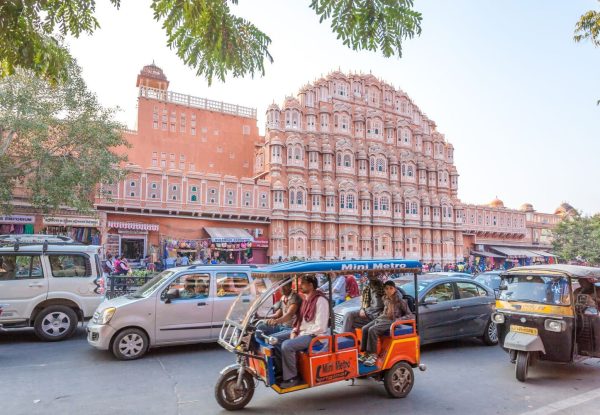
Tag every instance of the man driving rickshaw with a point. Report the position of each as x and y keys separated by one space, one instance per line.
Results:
x=312 y=356
x=540 y=317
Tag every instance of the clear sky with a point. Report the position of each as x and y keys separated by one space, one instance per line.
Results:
x=503 y=80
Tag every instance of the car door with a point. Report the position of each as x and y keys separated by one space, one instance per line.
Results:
x=22 y=285
x=229 y=284
x=187 y=316
x=439 y=320
x=476 y=306
x=72 y=276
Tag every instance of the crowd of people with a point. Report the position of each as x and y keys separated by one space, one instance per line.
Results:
x=300 y=316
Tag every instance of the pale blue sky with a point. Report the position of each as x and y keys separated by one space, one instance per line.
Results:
x=503 y=80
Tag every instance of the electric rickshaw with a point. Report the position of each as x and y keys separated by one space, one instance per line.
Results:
x=329 y=358
x=542 y=315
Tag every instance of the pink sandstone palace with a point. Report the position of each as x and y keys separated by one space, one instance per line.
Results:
x=350 y=168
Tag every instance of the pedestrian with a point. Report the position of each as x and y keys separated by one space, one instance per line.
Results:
x=185 y=260
x=107 y=266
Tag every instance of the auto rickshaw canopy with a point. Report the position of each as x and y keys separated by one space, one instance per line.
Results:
x=572 y=271
x=287 y=269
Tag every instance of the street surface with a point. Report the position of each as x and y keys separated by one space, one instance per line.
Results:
x=464 y=377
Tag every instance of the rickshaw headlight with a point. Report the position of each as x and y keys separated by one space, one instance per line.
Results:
x=498 y=318
x=554 y=325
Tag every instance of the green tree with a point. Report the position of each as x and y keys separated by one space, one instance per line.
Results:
x=55 y=141
x=588 y=28
x=205 y=34
x=578 y=237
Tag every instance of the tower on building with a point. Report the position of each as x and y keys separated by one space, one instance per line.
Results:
x=151 y=76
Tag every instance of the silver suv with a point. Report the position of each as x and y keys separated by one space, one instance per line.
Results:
x=179 y=306
x=49 y=283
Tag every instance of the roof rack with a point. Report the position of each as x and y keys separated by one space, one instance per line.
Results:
x=36 y=239
x=194 y=266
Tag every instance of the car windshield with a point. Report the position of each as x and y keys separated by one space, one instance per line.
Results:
x=148 y=288
x=409 y=287
x=536 y=289
x=251 y=298
x=491 y=280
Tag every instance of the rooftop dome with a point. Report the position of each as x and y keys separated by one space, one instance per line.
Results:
x=564 y=208
x=497 y=203
x=153 y=71
x=526 y=207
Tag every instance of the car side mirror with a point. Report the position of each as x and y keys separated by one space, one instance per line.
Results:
x=170 y=296
x=430 y=300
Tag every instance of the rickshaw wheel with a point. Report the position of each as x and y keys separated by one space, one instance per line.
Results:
x=226 y=394
x=399 y=380
x=522 y=365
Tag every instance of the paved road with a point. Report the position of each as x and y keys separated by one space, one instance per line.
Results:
x=462 y=378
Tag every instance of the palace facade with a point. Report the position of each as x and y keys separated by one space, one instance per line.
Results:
x=357 y=170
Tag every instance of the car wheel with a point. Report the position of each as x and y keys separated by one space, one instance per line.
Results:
x=55 y=323
x=130 y=344
x=490 y=335
x=399 y=380
x=228 y=395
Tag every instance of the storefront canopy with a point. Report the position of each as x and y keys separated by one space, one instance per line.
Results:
x=487 y=254
x=515 y=252
x=228 y=235
x=543 y=254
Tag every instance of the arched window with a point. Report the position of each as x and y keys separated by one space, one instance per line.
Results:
x=342 y=200
x=444 y=211
x=413 y=208
x=372 y=163
x=292 y=197
x=298 y=152
x=403 y=168
x=409 y=171
x=380 y=165
x=375 y=203
x=194 y=198
x=339 y=159
x=290 y=153
x=406 y=136
x=350 y=201
x=300 y=197
x=407 y=208
x=347 y=161
x=449 y=212
x=385 y=203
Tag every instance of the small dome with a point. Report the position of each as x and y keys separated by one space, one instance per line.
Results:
x=273 y=106
x=153 y=71
x=564 y=208
x=526 y=207
x=497 y=203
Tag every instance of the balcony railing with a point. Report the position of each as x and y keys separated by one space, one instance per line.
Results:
x=197 y=102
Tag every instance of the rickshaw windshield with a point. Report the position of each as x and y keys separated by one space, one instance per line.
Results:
x=251 y=298
x=536 y=289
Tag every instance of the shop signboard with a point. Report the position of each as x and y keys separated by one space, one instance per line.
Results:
x=17 y=219
x=260 y=243
x=71 y=221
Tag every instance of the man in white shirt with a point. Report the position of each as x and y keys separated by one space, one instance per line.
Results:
x=338 y=295
x=312 y=321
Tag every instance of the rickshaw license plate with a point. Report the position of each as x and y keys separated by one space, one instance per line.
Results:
x=526 y=330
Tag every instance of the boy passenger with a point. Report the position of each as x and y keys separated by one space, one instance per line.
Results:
x=395 y=309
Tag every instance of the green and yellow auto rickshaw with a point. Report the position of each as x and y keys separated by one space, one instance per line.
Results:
x=548 y=313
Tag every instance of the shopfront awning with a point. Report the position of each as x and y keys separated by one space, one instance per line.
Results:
x=515 y=252
x=133 y=226
x=487 y=254
x=543 y=254
x=228 y=235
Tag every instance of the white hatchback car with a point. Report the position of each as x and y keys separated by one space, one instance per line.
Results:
x=49 y=283
x=179 y=306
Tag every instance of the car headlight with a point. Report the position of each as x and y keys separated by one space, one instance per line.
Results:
x=106 y=315
x=498 y=318
x=555 y=325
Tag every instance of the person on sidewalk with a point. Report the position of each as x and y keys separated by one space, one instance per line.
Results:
x=312 y=321
x=395 y=309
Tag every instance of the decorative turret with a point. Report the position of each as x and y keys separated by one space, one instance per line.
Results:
x=151 y=76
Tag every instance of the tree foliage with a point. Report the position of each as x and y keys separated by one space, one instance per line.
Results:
x=55 y=141
x=578 y=238
x=588 y=28
x=205 y=34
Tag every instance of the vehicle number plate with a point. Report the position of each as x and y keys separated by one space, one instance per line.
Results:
x=526 y=330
